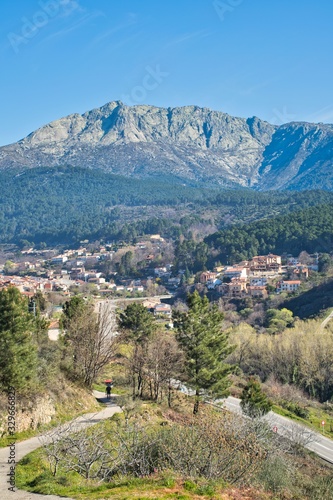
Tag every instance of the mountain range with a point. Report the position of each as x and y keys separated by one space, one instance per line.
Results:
x=187 y=145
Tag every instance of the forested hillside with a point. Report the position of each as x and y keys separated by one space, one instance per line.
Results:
x=310 y=229
x=67 y=204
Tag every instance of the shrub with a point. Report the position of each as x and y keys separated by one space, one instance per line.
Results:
x=275 y=475
x=296 y=409
x=210 y=446
x=254 y=402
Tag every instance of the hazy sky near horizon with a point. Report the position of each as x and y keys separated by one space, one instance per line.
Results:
x=272 y=59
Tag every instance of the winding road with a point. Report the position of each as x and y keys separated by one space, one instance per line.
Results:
x=314 y=441
x=294 y=431
x=25 y=447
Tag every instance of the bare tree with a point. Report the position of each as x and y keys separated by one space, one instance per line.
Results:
x=164 y=364
x=88 y=452
x=299 y=437
x=91 y=340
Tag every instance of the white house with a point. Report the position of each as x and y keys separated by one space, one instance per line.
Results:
x=235 y=272
x=288 y=286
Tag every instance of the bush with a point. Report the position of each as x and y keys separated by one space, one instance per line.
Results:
x=296 y=409
x=254 y=402
x=275 y=475
x=210 y=446
x=320 y=487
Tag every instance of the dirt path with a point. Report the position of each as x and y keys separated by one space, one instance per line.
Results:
x=329 y=317
x=25 y=447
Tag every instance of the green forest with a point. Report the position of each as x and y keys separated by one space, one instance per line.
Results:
x=309 y=229
x=67 y=204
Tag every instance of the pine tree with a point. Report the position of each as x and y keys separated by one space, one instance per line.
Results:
x=73 y=308
x=205 y=345
x=254 y=402
x=18 y=348
x=138 y=322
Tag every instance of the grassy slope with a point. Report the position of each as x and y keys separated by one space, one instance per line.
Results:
x=33 y=474
x=316 y=416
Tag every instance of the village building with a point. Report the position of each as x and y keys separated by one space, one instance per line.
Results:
x=235 y=272
x=59 y=259
x=300 y=271
x=156 y=238
x=211 y=284
x=266 y=263
x=258 y=281
x=288 y=286
x=164 y=309
x=257 y=291
x=237 y=288
x=207 y=276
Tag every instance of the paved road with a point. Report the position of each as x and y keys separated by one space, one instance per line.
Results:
x=142 y=299
x=113 y=302
x=292 y=430
x=312 y=440
x=25 y=447
x=322 y=446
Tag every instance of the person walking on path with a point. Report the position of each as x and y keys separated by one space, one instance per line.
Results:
x=29 y=445
x=108 y=391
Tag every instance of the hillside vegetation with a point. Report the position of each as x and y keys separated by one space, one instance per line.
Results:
x=308 y=229
x=67 y=204
x=170 y=445
x=151 y=451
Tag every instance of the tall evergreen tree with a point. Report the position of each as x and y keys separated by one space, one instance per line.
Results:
x=73 y=308
x=138 y=322
x=18 y=348
x=205 y=345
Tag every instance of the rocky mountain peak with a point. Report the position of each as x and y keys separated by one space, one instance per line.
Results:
x=189 y=144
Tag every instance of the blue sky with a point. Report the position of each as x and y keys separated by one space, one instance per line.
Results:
x=266 y=58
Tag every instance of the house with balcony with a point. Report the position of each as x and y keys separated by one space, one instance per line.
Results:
x=288 y=286
x=265 y=264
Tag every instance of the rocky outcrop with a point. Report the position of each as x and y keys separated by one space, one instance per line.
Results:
x=190 y=144
x=29 y=413
x=40 y=409
x=187 y=145
x=300 y=156
x=35 y=413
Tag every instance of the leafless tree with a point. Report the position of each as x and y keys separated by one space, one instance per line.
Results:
x=299 y=437
x=88 y=452
x=164 y=364
x=92 y=339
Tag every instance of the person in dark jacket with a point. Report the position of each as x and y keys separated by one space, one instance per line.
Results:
x=108 y=391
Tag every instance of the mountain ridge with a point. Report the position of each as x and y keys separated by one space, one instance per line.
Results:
x=188 y=144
